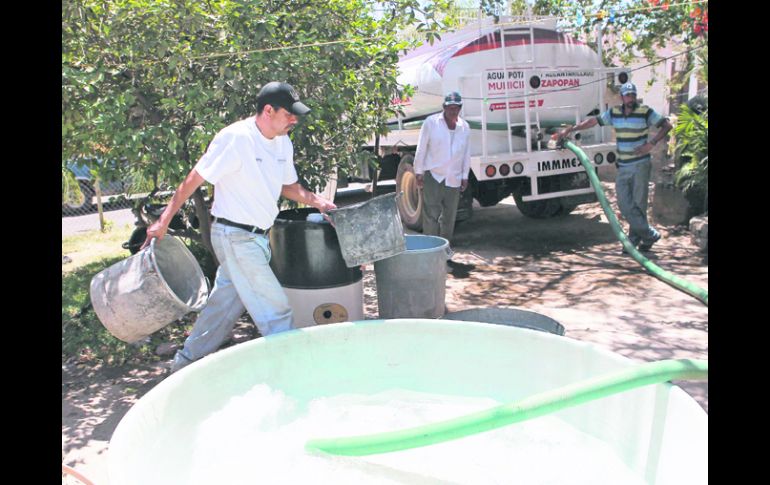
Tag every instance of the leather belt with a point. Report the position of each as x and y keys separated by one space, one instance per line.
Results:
x=245 y=227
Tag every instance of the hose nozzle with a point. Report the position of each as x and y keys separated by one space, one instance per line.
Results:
x=554 y=144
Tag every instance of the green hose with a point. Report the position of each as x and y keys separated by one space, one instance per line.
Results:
x=673 y=280
x=528 y=408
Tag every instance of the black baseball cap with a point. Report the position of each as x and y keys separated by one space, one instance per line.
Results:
x=282 y=95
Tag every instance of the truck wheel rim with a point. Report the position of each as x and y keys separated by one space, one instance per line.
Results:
x=411 y=194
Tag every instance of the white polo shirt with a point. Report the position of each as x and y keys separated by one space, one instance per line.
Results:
x=445 y=153
x=248 y=172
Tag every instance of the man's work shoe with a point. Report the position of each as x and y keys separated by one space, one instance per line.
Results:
x=633 y=242
x=179 y=362
x=646 y=246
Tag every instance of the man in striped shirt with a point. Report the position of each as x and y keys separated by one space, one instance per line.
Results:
x=632 y=123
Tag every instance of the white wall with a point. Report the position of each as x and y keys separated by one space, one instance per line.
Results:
x=657 y=95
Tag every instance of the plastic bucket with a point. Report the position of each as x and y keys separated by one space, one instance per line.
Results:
x=658 y=432
x=369 y=231
x=145 y=292
x=516 y=317
x=413 y=283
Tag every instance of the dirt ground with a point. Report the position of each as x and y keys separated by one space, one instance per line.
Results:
x=568 y=268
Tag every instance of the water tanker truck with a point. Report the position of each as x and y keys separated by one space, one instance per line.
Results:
x=520 y=82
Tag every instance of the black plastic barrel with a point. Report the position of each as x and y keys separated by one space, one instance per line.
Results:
x=307 y=254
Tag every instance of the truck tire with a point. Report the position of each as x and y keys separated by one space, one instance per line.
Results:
x=488 y=199
x=566 y=207
x=410 y=204
x=537 y=209
x=83 y=202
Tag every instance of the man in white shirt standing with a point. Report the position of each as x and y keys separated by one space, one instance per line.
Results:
x=441 y=166
x=251 y=164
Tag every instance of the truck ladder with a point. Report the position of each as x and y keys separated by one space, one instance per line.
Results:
x=530 y=62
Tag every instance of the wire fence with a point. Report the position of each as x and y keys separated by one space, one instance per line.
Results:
x=80 y=207
x=82 y=195
x=87 y=219
x=91 y=207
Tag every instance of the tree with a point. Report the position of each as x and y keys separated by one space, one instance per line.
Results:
x=152 y=81
x=692 y=150
x=637 y=25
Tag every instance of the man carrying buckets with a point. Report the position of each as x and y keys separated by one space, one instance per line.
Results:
x=250 y=163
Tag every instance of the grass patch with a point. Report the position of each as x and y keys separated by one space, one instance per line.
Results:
x=94 y=246
x=84 y=338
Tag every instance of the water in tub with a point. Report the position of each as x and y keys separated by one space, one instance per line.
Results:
x=259 y=437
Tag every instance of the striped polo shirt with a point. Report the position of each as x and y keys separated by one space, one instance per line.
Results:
x=631 y=131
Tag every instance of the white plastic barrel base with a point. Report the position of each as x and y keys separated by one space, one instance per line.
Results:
x=318 y=306
x=658 y=432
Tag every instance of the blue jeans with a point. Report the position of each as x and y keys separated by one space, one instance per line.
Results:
x=244 y=281
x=632 y=188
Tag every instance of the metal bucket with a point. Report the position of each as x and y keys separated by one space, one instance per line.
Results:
x=145 y=292
x=413 y=284
x=515 y=317
x=369 y=231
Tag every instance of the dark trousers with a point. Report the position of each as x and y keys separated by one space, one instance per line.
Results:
x=440 y=207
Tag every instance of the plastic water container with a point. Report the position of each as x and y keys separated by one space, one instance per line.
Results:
x=307 y=261
x=413 y=284
x=306 y=251
x=657 y=432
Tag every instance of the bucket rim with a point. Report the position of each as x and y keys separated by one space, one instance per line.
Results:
x=444 y=245
x=198 y=305
x=358 y=205
x=310 y=210
x=460 y=315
